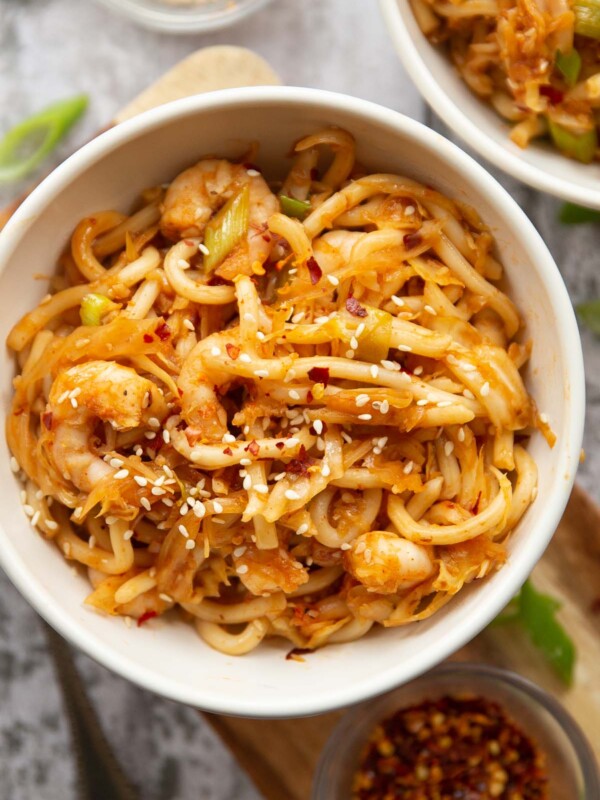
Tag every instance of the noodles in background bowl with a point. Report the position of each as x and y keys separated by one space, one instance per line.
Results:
x=289 y=409
x=537 y=63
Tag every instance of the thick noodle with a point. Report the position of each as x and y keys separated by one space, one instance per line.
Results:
x=314 y=428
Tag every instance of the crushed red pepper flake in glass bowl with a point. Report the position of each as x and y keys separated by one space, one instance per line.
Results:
x=461 y=732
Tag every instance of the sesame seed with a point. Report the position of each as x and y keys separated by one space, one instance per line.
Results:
x=199 y=509
x=239 y=551
x=448 y=448
x=183 y=264
x=298 y=317
x=139 y=451
x=291 y=442
x=302 y=529
x=140 y=480
x=422 y=402
x=292 y=271
x=365 y=417
x=245 y=358
x=384 y=407
x=116 y=462
x=74 y=402
x=405 y=348
x=354 y=343
x=418 y=370
x=165 y=597
x=360 y=330
x=154 y=422
x=325 y=470
x=345 y=546
x=121 y=475
x=63 y=396
x=168 y=502
x=468 y=367
x=51 y=524
x=183 y=509
x=430 y=310
x=318 y=426
x=128 y=534
x=461 y=434
x=360 y=548
x=166 y=436
x=393 y=365
x=36 y=518
x=349 y=353
x=444 y=403
x=291 y=494
x=361 y=400
x=110 y=519
x=14 y=464
x=242 y=569
x=190 y=544
x=374 y=370
x=157 y=491
x=485 y=389
x=408 y=467
x=321 y=320
x=544 y=419
x=203 y=249
x=187 y=323
x=150 y=435
x=320 y=444
x=261 y=488
x=397 y=301
x=409 y=211
x=346 y=437
x=183 y=531
x=215 y=351
x=249 y=317
x=228 y=438
x=218 y=508
x=253 y=173
x=23 y=496
x=294 y=395
x=146 y=503
x=333 y=280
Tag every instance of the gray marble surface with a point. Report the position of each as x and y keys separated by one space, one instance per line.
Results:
x=54 y=48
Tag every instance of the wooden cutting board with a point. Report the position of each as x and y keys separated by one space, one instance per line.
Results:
x=280 y=755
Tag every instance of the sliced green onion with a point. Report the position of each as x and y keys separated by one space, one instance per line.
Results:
x=581 y=147
x=227 y=228
x=569 y=64
x=294 y=208
x=94 y=307
x=536 y=613
x=26 y=145
x=587 y=18
x=572 y=214
x=589 y=314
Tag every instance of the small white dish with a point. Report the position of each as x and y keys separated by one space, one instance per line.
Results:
x=185 y=16
x=477 y=123
x=166 y=656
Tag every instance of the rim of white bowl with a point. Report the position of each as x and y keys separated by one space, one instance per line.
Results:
x=549 y=516
x=183 y=19
x=460 y=123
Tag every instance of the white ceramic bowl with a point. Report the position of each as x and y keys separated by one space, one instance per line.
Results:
x=167 y=656
x=476 y=122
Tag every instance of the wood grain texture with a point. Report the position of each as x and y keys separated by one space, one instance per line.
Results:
x=280 y=755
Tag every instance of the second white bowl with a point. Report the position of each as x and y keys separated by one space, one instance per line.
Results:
x=477 y=123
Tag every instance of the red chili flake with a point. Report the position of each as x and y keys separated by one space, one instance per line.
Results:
x=253 y=448
x=355 y=308
x=300 y=465
x=232 y=351
x=314 y=270
x=145 y=617
x=412 y=240
x=266 y=237
x=47 y=419
x=309 y=396
x=461 y=747
x=319 y=375
x=555 y=96
x=163 y=331
x=279 y=445
x=148 y=338
x=228 y=451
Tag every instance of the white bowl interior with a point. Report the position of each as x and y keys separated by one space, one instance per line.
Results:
x=166 y=655
x=539 y=165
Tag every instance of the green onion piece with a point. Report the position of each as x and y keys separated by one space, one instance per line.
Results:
x=536 y=612
x=294 y=208
x=27 y=144
x=589 y=314
x=582 y=146
x=374 y=343
x=227 y=228
x=94 y=307
x=571 y=214
x=587 y=18
x=569 y=64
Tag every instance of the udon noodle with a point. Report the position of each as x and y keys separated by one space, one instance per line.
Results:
x=289 y=410
x=536 y=61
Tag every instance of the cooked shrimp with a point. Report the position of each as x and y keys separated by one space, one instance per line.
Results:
x=84 y=394
x=198 y=192
x=387 y=563
x=200 y=406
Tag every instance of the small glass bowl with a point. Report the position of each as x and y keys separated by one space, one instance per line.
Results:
x=179 y=16
x=572 y=766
